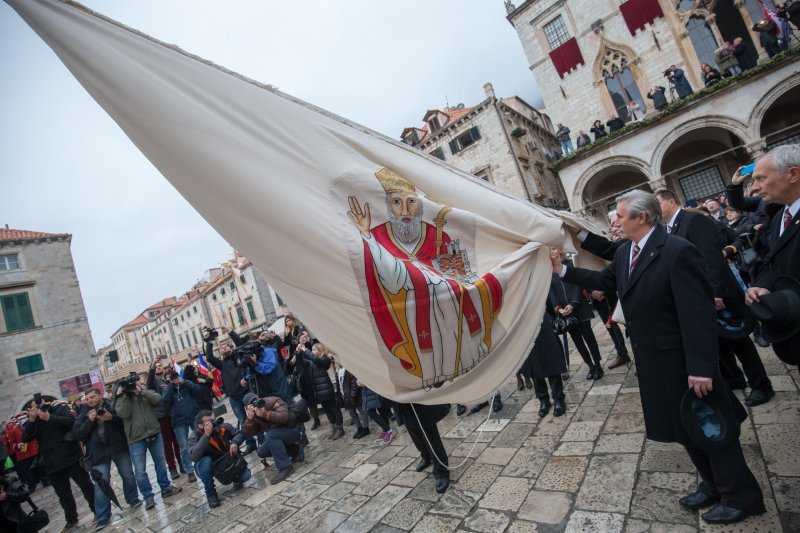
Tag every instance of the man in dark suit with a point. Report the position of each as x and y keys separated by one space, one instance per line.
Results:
x=728 y=294
x=776 y=179
x=668 y=303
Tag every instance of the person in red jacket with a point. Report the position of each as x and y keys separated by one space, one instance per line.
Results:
x=22 y=453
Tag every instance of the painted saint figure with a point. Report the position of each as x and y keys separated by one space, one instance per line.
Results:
x=437 y=323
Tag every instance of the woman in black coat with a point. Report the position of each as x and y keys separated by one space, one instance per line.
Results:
x=546 y=363
x=316 y=386
x=582 y=335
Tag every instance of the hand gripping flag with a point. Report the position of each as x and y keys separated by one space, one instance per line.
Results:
x=429 y=283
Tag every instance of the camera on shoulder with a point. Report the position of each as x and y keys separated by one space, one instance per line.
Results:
x=129 y=384
x=211 y=334
x=243 y=354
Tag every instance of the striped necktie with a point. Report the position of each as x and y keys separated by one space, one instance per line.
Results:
x=787 y=219
x=634 y=257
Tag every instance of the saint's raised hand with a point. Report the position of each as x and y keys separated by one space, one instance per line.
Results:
x=360 y=218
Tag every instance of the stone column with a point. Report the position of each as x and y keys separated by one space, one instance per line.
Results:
x=656 y=184
x=756 y=149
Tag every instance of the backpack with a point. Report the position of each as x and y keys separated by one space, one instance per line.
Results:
x=228 y=468
x=298 y=413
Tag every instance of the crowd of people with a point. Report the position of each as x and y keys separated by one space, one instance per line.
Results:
x=694 y=287
x=732 y=58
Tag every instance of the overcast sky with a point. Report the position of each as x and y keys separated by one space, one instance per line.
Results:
x=68 y=168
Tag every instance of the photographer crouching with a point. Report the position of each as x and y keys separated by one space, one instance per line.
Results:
x=104 y=437
x=136 y=407
x=271 y=416
x=209 y=443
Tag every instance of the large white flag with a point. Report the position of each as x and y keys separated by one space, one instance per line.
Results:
x=428 y=284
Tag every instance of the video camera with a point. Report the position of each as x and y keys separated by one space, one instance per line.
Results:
x=101 y=411
x=243 y=354
x=211 y=334
x=129 y=384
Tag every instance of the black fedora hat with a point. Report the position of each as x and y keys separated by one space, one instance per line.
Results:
x=779 y=311
x=731 y=325
x=708 y=420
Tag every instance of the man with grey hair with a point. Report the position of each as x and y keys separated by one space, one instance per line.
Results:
x=669 y=306
x=776 y=179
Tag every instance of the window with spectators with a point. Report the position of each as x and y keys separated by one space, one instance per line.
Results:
x=703 y=40
x=556 y=32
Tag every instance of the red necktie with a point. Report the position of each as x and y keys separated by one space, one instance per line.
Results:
x=634 y=257
x=787 y=219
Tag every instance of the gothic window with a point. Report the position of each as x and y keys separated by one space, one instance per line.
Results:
x=703 y=40
x=686 y=5
x=620 y=83
x=556 y=32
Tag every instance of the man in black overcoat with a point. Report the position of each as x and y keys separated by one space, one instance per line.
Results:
x=776 y=179
x=701 y=231
x=668 y=304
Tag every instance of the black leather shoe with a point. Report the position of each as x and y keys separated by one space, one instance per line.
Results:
x=497 y=403
x=559 y=408
x=760 y=340
x=722 y=514
x=423 y=464
x=213 y=500
x=598 y=372
x=698 y=500
x=759 y=396
x=441 y=484
x=476 y=408
x=460 y=409
x=590 y=374
x=544 y=408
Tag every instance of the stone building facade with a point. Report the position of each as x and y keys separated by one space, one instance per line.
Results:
x=44 y=331
x=504 y=141
x=591 y=58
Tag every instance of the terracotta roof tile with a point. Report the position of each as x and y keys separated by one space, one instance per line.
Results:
x=8 y=234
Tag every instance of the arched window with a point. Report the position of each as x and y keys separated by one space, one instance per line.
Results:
x=703 y=40
x=620 y=83
x=686 y=5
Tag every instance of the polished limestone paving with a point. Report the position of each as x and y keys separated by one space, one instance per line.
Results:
x=590 y=470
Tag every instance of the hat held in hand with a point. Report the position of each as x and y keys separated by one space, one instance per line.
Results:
x=779 y=311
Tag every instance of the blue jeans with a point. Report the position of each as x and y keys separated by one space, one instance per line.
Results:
x=275 y=442
x=139 y=451
x=203 y=470
x=237 y=406
x=102 y=505
x=182 y=436
x=566 y=147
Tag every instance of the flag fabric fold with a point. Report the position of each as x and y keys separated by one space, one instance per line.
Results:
x=427 y=283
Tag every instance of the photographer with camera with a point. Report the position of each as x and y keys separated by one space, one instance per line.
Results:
x=136 y=407
x=156 y=381
x=271 y=416
x=103 y=435
x=677 y=79
x=12 y=516
x=209 y=443
x=179 y=399
x=263 y=367
x=51 y=425
x=234 y=382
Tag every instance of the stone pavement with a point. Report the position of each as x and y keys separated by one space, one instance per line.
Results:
x=590 y=470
